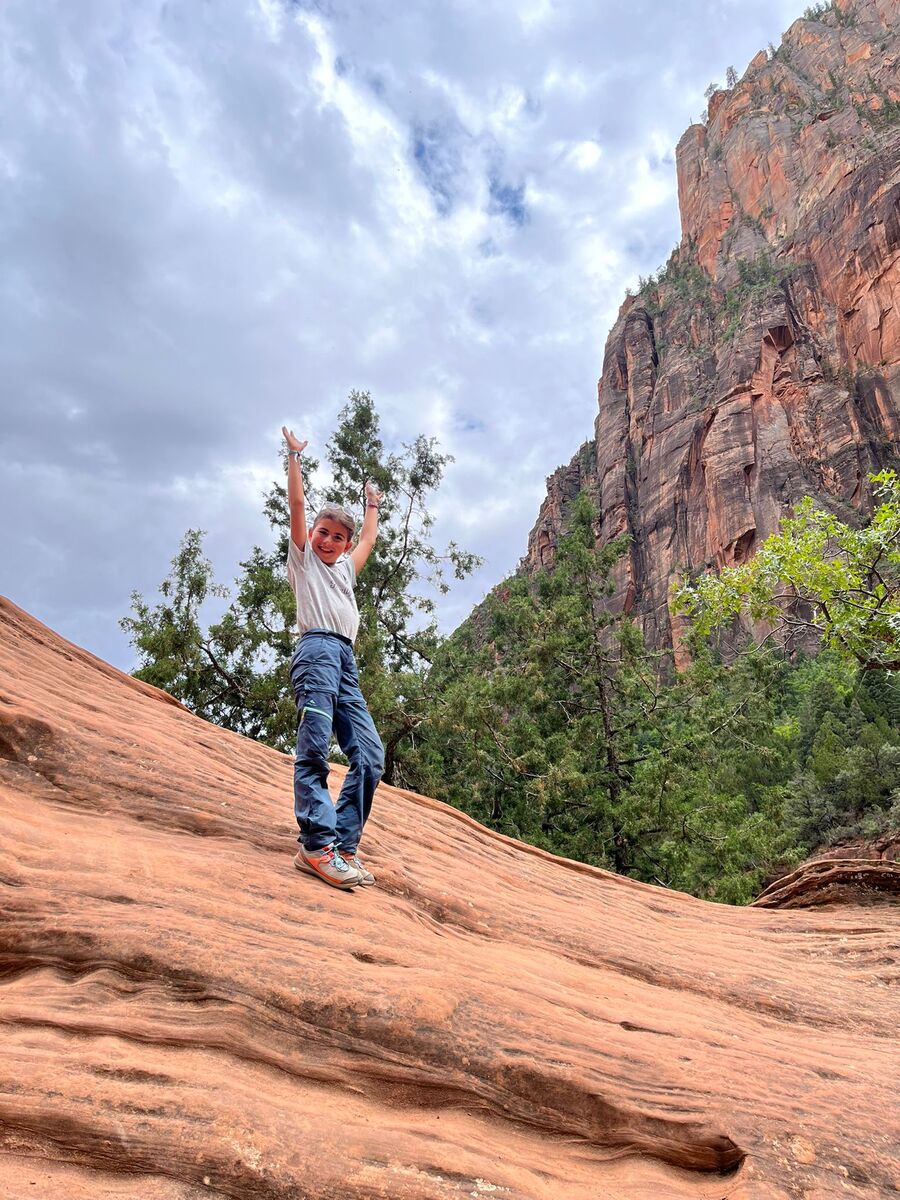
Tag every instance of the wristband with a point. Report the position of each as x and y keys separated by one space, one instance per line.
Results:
x=294 y=454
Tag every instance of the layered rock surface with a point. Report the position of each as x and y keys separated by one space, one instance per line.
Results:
x=763 y=364
x=183 y=1014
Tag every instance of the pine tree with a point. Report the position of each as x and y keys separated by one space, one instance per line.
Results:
x=234 y=671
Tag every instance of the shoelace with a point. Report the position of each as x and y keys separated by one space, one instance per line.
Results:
x=338 y=861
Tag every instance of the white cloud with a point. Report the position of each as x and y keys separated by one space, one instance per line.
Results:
x=649 y=187
x=586 y=155
x=536 y=15
x=218 y=218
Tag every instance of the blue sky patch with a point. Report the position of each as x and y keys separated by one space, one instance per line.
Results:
x=438 y=161
x=466 y=423
x=508 y=199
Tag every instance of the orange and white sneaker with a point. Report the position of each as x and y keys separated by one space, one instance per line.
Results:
x=329 y=865
x=366 y=878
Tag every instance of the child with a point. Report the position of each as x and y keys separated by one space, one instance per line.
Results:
x=322 y=570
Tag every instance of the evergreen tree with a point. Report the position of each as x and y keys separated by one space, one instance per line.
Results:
x=847 y=775
x=234 y=671
x=554 y=725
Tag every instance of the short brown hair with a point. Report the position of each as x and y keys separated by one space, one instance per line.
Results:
x=334 y=512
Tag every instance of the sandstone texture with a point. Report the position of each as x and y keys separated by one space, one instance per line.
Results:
x=854 y=869
x=763 y=364
x=185 y=1015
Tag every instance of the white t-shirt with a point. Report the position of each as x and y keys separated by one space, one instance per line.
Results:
x=324 y=593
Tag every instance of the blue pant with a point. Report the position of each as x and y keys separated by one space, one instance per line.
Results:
x=326 y=685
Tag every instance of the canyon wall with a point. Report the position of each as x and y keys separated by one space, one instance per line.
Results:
x=763 y=363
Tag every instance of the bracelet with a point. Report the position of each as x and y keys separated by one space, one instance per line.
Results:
x=294 y=454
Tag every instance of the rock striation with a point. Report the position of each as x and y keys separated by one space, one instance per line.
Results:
x=763 y=363
x=184 y=1015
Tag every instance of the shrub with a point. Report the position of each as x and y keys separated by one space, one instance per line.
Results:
x=817 y=12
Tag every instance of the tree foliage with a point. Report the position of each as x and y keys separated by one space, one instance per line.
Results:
x=846 y=783
x=555 y=725
x=818 y=576
x=233 y=670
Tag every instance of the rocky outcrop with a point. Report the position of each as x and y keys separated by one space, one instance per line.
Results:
x=763 y=364
x=832 y=879
x=185 y=1015
x=562 y=488
x=868 y=870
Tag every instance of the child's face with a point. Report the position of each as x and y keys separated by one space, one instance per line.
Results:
x=329 y=540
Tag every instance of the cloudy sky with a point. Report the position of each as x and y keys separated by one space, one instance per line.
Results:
x=218 y=216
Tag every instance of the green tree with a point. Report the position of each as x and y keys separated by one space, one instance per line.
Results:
x=554 y=725
x=179 y=655
x=818 y=576
x=233 y=670
x=538 y=703
x=847 y=774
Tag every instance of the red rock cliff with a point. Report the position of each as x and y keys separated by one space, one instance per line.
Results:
x=763 y=364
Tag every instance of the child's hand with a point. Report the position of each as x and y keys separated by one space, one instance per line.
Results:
x=292 y=442
x=373 y=496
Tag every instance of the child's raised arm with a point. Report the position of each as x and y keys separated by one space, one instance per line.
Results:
x=369 y=531
x=296 y=499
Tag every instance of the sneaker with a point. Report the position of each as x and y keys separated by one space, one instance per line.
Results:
x=329 y=865
x=366 y=878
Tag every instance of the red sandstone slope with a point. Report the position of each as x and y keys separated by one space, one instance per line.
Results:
x=185 y=1015
x=764 y=364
